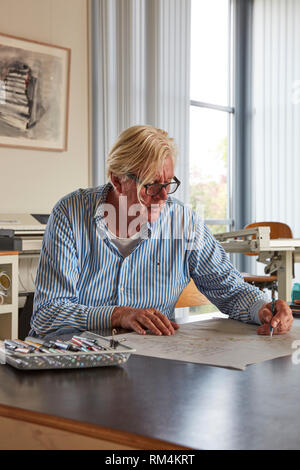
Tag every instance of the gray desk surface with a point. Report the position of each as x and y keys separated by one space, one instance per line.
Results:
x=194 y=406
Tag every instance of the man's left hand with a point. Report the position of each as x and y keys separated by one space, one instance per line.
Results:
x=281 y=321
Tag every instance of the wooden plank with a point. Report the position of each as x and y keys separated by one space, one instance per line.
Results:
x=8 y=253
x=20 y=419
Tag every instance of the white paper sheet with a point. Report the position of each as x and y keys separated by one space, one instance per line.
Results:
x=217 y=342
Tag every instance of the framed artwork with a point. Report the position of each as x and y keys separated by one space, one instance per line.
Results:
x=34 y=94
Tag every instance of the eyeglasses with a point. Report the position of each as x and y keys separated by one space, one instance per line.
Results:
x=154 y=189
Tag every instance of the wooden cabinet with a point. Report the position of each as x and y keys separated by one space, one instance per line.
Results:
x=9 y=302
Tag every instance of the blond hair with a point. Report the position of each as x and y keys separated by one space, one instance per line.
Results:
x=140 y=150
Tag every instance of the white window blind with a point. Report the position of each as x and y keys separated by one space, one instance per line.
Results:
x=276 y=114
x=140 y=74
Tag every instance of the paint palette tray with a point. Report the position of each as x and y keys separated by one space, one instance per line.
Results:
x=107 y=352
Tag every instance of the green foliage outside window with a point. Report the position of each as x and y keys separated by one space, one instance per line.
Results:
x=208 y=195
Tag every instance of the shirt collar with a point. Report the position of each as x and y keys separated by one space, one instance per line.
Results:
x=152 y=227
x=99 y=211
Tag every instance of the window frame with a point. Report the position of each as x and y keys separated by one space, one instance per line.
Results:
x=230 y=110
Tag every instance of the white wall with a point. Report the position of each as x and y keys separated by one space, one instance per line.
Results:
x=31 y=181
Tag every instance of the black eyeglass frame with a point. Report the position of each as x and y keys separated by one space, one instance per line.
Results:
x=176 y=180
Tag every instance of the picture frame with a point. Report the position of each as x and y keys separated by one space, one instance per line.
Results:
x=34 y=94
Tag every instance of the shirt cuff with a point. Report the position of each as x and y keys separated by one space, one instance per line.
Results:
x=99 y=317
x=254 y=309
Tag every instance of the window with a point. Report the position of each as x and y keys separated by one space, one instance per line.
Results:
x=211 y=112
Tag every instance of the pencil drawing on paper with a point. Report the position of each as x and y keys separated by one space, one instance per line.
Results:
x=33 y=94
x=218 y=342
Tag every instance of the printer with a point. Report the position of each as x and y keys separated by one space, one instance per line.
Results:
x=24 y=233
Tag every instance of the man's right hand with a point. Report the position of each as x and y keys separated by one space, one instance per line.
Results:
x=142 y=319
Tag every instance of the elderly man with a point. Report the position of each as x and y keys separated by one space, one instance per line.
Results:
x=119 y=255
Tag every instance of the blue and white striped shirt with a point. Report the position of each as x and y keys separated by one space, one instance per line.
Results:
x=82 y=276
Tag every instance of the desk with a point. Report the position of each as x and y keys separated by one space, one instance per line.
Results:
x=152 y=404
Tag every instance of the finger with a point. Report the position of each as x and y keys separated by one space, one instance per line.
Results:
x=282 y=328
x=281 y=321
x=282 y=308
x=264 y=329
x=175 y=325
x=283 y=317
x=276 y=320
x=172 y=324
x=137 y=327
x=161 y=322
x=150 y=324
x=266 y=315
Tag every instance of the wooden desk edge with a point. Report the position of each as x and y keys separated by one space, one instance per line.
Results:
x=132 y=440
x=8 y=253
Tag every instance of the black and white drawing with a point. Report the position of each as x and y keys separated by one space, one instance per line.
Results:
x=33 y=94
x=20 y=104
